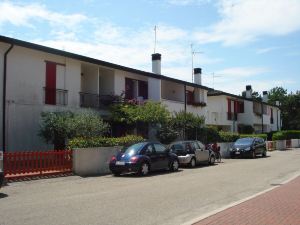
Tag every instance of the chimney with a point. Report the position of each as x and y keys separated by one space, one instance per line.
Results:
x=197 y=76
x=265 y=96
x=248 y=91
x=156 y=63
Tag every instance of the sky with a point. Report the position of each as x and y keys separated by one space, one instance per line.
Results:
x=236 y=42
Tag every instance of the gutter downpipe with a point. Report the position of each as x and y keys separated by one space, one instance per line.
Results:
x=4 y=98
x=184 y=112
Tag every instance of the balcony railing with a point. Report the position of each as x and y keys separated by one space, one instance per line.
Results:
x=231 y=116
x=55 y=96
x=88 y=100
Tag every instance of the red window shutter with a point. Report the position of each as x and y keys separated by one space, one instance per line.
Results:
x=50 y=89
x=190 y=97
x=229 y=105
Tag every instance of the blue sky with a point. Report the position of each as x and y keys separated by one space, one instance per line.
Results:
x=242 y=41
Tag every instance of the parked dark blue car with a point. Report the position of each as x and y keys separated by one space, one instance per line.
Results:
x=142 y=158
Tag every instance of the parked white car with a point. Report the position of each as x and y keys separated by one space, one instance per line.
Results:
x=1 y=169
x=192 y=153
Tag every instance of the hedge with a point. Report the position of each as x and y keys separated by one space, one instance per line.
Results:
x=286 y=135
x=263 y=136
x=228 y=136
x=104 y=141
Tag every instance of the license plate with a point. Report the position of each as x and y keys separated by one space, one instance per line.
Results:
x=237 y=153
x=119 y=163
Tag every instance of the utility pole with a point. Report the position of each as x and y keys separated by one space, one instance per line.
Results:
x=155 y=31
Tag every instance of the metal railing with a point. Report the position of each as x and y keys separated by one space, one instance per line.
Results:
x=55 y=96
x=88 y=100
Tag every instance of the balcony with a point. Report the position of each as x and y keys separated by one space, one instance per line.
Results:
x=231 y=116
x=88 y=100
x=55 y=96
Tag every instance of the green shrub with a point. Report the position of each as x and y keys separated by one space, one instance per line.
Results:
x=263 y=136
x=103 y=141
x=208 y=135
x=286 y=135
x=166 y=134
x=228 y=136
x=279 y=136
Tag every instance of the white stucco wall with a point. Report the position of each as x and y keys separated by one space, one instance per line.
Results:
x=172 y=91
x=154 y=89
x=217 y=111
x=89 y=79
x=26 y=74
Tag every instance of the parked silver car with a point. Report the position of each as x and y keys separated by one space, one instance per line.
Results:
x=1 y=169
x=192 y=152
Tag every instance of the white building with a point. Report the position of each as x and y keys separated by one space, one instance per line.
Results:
x=35 y=78
x=229 y=112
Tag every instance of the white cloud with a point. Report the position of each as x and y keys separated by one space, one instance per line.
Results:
x=187 y=2
x=248 y=20
x=24 y=14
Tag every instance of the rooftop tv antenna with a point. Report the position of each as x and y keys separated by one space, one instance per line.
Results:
x=155 y=31
x=193 y=52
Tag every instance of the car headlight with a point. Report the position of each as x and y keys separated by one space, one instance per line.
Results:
x=247 y=149
x=230 y=149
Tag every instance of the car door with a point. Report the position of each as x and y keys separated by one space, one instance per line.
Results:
x=162 y=155
x=203 y=152
x=154 y=159
x=198 y=152
x=257 y=146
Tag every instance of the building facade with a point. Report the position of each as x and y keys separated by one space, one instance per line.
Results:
x=36 y=79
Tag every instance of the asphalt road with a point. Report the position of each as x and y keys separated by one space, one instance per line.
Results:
x=162 y=198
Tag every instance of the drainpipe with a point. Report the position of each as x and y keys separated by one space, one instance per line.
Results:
x=184 y=112
x=4 y=98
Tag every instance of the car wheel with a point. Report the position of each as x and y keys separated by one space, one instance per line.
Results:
x=144 y=169
x=212 y=160
x=174 y=165
x=192 y=163
x=253 y=154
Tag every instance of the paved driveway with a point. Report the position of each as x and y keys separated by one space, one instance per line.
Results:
x=162 y=198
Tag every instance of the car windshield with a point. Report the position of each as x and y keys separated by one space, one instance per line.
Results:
x=133 y=149
x=244 y=141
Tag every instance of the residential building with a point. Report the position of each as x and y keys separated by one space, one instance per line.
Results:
x=36 y=78
x=229 y=112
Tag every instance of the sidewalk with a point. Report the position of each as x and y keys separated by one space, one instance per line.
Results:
x=280 y=206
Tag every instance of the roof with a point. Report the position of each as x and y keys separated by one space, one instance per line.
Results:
x=218 y=93
x=94 y=61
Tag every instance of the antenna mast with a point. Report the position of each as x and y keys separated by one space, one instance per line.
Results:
x=155 y=30
x=193 y=54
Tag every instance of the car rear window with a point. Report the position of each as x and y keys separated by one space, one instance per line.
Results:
x=133 y=149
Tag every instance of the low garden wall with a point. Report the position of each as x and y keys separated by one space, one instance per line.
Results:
x=93 y=161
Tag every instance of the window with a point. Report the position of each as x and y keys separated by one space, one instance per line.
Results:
x=190 y=97
x=201 y=145
x=177 y=147
x=159 y=148
x=135 y=88
x=195 y=145
x=150 y=149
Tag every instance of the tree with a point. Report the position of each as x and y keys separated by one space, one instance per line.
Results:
x=277 y=94
x=58 y=127
x=290 y=111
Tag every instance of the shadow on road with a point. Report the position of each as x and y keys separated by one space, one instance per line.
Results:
x=152 y=174
x=2 y=195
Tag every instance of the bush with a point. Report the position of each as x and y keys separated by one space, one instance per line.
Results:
x=208 y=135
x=103 y=141
x=263 y=136
x=166 y=134
x=279 y=136
x=58 y=127
x=286 y=135
x=228 y=136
